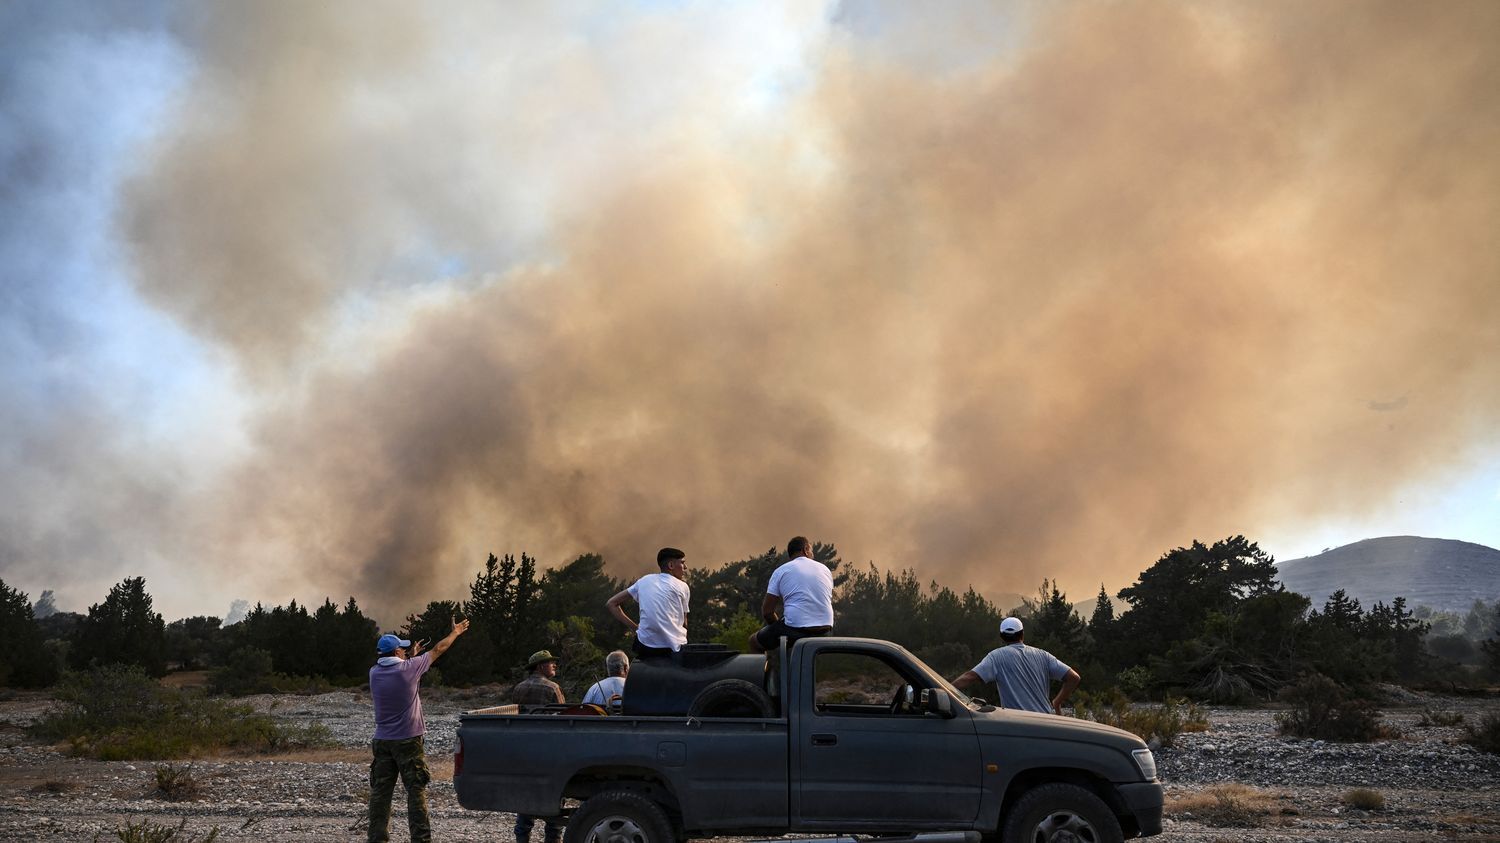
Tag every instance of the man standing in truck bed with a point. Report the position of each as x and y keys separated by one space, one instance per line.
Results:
x=804 y=588
x=663 y=598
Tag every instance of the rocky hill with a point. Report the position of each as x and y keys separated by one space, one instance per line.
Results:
x=1440 y=573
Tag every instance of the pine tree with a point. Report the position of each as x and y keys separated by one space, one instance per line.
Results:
x=122 y=630
x=23 y=661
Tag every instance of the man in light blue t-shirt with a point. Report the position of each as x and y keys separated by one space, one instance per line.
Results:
x=1023 y=675
x=396 y=750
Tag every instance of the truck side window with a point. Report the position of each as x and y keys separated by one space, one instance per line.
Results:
x=858 y=684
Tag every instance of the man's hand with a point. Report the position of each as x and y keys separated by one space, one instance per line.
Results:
x=459 y=628
x=416 y=648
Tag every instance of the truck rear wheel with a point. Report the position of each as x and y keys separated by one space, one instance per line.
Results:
x=619 y=816
x=732 y=698
x=1061 y=813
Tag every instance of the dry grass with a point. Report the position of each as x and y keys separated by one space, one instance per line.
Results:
x=1162 y=722
x=176 y=783
x=1364 y=799
x=1226 y=805
x=186 y=679
x=329 y=755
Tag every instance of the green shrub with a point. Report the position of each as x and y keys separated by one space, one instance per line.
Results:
x=1364 y=799
x=1163 y=722
x=247 y=670
x=1135 y=681
x=147 y=832
x=176 y=783
x=119 y=713
x=1321 y=709
x=1486 y=736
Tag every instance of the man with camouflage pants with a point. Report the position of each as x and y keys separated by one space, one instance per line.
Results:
x=397 y=746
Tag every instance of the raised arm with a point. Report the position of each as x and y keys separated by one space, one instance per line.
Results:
x=442 y=646
x=615 y=605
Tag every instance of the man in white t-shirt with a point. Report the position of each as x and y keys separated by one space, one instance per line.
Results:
x=1023 y=675
x=608 y=692
x=803 y=587
x=663 y=598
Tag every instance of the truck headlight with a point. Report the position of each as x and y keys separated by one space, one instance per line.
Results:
x=1146 y=762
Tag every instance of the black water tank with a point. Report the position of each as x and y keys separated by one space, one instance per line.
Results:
x=668 y=685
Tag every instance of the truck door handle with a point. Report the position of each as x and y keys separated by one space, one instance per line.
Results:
x=824 y=740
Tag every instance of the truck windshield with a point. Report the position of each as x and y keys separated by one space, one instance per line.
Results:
x=940 y=680
x=954 y=692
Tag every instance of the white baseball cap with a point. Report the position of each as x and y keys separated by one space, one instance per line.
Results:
x=1010 y=626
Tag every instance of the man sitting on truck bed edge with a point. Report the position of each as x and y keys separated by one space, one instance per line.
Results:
x=663 y=598
x=804 y=588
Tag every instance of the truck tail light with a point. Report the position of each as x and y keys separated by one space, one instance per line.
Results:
x=458 y=757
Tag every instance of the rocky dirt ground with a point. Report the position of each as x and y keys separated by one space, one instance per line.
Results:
x=1434 y=787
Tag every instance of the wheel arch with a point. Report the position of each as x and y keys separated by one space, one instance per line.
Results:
x=646 y=781
x=1100 y=786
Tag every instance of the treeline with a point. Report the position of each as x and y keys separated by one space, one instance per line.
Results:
x=1208 y=621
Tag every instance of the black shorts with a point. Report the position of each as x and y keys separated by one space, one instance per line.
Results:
x=643 y=652
x=769 y=633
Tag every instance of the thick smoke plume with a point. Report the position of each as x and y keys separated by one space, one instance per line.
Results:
x=1147 y=273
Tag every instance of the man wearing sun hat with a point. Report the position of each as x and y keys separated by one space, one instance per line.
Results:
x=397 y=746
x=1023 y=675
x=536 y=690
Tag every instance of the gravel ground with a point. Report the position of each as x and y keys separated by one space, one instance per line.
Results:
x=1435 y=788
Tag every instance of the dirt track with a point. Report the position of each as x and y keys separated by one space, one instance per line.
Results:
x=1434 y=788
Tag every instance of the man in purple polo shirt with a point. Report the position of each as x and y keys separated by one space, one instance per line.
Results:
x=397 y=745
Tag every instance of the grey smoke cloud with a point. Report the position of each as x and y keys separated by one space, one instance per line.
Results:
x=500 y=280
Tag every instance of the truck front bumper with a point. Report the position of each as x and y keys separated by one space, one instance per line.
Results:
x=1144 y=801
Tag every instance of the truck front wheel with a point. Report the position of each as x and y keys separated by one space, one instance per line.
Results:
x=618 y=816
x=1061 y=813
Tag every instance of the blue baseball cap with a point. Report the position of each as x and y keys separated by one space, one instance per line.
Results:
x=388 y=643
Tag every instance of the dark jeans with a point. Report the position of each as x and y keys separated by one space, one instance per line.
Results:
x=770 y=635
x=644 y=652
x=406 y=759
x=552 y=833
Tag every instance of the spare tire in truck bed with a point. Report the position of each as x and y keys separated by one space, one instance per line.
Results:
x=732 y=698
x=670 y=685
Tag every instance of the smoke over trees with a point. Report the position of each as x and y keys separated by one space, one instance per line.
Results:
x=1036 y=307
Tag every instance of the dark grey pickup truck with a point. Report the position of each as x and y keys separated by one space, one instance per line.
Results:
x=759 y=751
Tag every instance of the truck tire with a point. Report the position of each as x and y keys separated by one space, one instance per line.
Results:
x=619 y=816
x=732 y=698
x=1054 y=813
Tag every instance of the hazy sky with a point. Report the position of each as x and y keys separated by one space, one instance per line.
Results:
x=327 y=299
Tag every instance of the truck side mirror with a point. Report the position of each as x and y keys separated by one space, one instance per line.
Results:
x=936 y=701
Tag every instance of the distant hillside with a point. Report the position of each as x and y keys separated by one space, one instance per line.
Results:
x=1440 y=573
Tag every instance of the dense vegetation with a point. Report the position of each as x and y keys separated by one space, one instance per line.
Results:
x=118 y=712
x=1206 y=622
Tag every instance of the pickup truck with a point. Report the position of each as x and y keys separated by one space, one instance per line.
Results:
x=810 y=748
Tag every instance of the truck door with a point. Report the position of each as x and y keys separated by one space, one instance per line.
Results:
x=866 y=758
